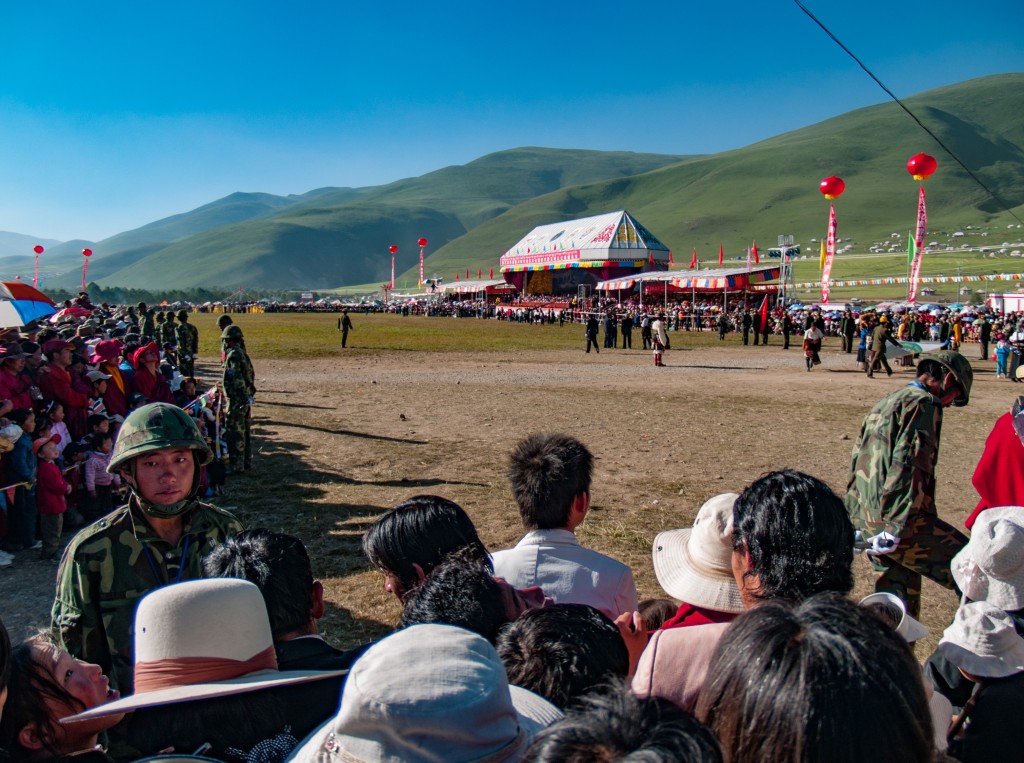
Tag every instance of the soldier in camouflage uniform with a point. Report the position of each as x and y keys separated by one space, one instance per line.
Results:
x=160 y=536
x=147 y=323
x=188 y=344
x=169 y=334
x=891 y=492
x=239 y=388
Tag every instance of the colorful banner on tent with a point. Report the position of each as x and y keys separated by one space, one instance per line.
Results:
x=421 y=266
x=830 y=254
x=915 y=266
x=392 y=285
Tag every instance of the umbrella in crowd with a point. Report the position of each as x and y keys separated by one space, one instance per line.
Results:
x=21 y=303
x=68 y=313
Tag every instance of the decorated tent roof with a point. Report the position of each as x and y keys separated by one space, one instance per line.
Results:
x=714 y=279
x=614 y=237
x=472 y=287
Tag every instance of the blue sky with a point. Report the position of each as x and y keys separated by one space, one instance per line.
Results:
x=115 y=114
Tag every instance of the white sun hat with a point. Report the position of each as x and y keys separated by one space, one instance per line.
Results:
x=695 y=565
x=201 y=639
x=426 y=694
x=991 y=566
x=894 y=610
x=982 y=641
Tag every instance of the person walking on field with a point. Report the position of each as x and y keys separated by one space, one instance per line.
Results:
x=812 y=346
x=891 y=491
x=659 y=339
x=344 y=326
x=879 y=336
x=591 y=332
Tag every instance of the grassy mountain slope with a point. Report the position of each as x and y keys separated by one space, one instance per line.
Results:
x=771 y=187
x=18 y=244
x=341 y=236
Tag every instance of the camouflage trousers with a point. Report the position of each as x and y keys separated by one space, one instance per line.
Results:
x=927 y=546
x=238 y=433
x=186 y=365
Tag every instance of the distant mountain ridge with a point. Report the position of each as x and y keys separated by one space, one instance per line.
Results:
x=470 y=213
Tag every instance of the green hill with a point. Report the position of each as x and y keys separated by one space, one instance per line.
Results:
x=342 y=236
x=771 y=187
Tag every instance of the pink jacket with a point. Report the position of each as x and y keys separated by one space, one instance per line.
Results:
x=675 y=663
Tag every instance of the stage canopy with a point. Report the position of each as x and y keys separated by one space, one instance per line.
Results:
x=475 y=287
x=610 y=240
x=716 y=279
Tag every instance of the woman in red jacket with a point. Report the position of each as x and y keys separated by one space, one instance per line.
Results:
x=148 y=380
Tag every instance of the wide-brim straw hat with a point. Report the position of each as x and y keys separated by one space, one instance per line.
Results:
x=983 y=641
x=202 y=639
x=695 y=565
x=425 y=694
x=991 y=566
x=906 y=626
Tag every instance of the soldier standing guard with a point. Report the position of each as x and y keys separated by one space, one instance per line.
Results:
x=239 y=389
x=891 y=492
x=160 y=536
x=188 y=344
x=147 y=323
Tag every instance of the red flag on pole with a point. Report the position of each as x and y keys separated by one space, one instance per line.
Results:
x=651 y=258
x=757 y=259
x=915 y=266
x=763 y=314
x=721 y=254
x=479 y=272
x=693 y=260
x=456 y=275
x=492 y=273
x=830 y=254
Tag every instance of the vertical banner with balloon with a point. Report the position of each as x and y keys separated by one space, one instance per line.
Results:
x=422 y=243
x=922 y=167
x=832 y=188
x=38 y=249
x=394 y=250
x=86 y=254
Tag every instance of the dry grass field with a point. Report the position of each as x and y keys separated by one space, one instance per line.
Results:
x=420 y=405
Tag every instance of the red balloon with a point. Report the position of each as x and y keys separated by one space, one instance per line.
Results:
x=393 y=249
x=832 y=187
x=422 y=242
x=37 y=249
x=87 y=252
x=922 y=166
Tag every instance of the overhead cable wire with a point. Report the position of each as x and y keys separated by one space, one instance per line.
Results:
x=910 y=113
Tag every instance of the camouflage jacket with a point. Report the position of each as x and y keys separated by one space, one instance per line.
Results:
x=187 y=338
x=110 y=565
x=238 y=382
x=147 y=324
x=168 y=333
x=892 y=475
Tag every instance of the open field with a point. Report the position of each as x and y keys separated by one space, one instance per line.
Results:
x=433 y=405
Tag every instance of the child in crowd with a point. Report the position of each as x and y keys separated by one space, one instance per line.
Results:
x=21 y=469
x=51 y=490
x=98 y=382
x=136 y=400
x=47 y=684
x=99 y=483
x=94 y=425
x=77 y=371
x=1002 y=356
x=57 y=426
x=75 y=456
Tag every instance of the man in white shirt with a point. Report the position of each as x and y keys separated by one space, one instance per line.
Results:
x=550 y=476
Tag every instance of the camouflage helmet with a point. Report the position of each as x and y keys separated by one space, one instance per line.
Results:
x=232 y=332
x=956 y=364
x=182 y=315
x=157 y=426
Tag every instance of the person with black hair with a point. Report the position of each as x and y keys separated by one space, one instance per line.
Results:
x=459 y=591
x=792 y=539
x=550 y=476
x=615 y=725
x=820 y=681
x=562 y=652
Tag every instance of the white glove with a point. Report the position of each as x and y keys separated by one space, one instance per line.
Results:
x=883 y=543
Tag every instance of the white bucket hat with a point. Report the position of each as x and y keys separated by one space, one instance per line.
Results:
x=894 y=608
x=983 y=642
x=695 y=565
x=991 y=566
x=429 y=694
x=202 y=639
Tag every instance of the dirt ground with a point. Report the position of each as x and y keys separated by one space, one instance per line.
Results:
x=340 y=439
